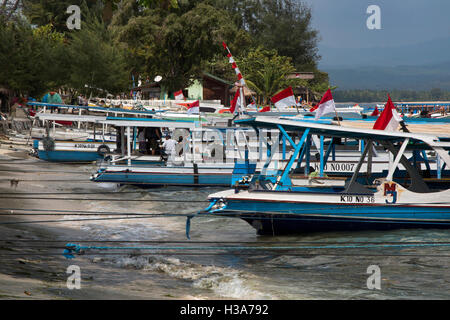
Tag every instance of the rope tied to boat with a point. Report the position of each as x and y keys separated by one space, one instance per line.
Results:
x=72 y=249
x=189 y=217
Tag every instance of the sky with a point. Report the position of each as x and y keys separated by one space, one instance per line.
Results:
x=342 y=23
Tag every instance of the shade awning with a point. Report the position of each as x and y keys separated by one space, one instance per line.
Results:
x=247 y=91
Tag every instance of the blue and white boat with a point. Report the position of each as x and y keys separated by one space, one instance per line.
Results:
x=273 y=204
x=187 y=169
x=68 y=144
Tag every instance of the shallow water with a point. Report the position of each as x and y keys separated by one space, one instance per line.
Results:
x=181 y=274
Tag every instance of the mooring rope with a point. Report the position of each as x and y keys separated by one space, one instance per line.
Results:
x=72 y=249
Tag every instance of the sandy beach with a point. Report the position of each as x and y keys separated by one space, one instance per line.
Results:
x=37 y=270
x=33 y=266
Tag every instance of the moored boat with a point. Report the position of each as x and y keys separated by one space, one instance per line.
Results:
x=275 y=205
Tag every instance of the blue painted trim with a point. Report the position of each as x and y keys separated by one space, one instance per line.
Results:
x=285 y=176
x=69 y=156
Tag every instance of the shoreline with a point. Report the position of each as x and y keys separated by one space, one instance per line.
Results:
x=27 y=272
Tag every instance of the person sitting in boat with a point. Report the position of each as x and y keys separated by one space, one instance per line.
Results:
x=169 y=148
x=152 y=135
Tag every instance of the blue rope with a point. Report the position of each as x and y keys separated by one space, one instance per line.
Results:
x=189 y=217
x=75 y=248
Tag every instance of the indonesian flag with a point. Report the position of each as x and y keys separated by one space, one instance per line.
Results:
x=326 y=105
x=375 y=112
x=193 y=107
x=313 y=108
x=265 y=109
x=389 y=118
x=236 y=102
x=179 y=95
x=252 y=105
x=284 y=99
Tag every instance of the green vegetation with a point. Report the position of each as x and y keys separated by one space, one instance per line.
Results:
x=177 y=39
x=266 y=73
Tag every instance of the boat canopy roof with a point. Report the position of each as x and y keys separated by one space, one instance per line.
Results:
x=149 y=122
x=92 y=108
x=328 y=130
x=69 y=117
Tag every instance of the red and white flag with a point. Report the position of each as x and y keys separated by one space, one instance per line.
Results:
x=326 y=105
x=236 y=103
x=389 y=118
x=265 y=109
x=375 y=112
x=179 y=95
x=234 y=65
x=284 y=99
x=193 y=107
x=252 y=105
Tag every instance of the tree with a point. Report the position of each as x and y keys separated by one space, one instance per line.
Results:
x=54 y=11
x=175 y=43
x=30 y=59
x=96 y=63
x=284 y=25
x=266 y=72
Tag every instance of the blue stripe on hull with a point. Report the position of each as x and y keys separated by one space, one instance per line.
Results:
x=285 y=218
x=69 y=156
x=165 y=179
x=281 y=224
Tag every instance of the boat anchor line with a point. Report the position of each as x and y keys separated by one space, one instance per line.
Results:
x=189 y=217
x=72 y=249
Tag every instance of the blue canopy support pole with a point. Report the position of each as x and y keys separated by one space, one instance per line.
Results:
x=284 y=177
x=327 y=155
x=308 y=155
x=362 y=145
x=321 y=157
x=438 y=166
x=425 y=159
x=414 y=158
x=333 y=155
x=302 y=155
x=285 y=134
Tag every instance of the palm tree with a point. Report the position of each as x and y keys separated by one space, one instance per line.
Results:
x=267 y=82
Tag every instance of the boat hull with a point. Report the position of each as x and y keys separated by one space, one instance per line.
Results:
x=284 y=217
x=282 y=224
x=164 y=176
x=69 y=156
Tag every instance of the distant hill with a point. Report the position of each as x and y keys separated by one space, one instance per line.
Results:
x=423 y=77
x=429 y=52
x=418 y=67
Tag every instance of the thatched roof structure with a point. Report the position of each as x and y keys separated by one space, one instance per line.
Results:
x=247 y=92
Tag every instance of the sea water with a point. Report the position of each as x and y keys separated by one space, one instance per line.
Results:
x=409 y=273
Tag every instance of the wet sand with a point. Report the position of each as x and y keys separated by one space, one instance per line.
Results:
x=32 y=271
x=37 y=270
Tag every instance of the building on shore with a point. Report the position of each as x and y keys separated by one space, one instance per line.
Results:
x=209 y=87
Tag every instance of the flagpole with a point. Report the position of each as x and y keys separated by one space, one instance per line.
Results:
x=337 y=117
x=239 y=74
x=242 y=100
